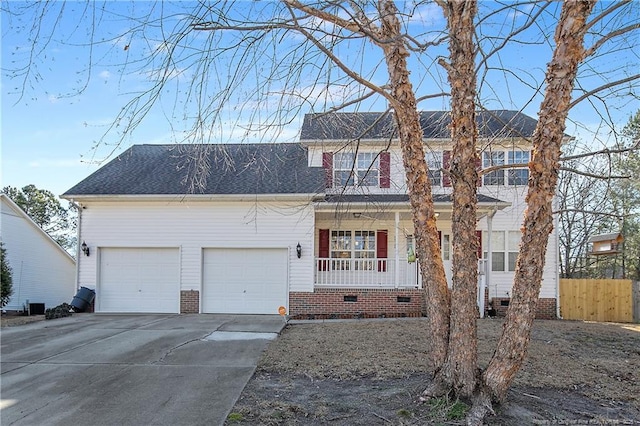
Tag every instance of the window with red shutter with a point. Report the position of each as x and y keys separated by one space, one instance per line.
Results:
x=381 y=249
x=323 y=249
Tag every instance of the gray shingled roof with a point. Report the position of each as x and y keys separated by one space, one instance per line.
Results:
x=235 y=169
x=435 y=124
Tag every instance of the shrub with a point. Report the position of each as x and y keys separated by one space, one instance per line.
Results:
x=6 y=287
x=60 y=311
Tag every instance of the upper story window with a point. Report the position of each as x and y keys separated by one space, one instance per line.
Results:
x=356 y=170
x=434 y=162
x=364 y=169
x=490 y=159
x=519 y=176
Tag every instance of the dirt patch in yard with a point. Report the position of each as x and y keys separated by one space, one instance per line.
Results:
x=372 y=373
x=9 y=320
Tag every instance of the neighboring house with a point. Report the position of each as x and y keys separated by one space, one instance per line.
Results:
x=167 y=236
x=42 y=271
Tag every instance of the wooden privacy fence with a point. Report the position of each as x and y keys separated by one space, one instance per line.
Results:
x=596 y=300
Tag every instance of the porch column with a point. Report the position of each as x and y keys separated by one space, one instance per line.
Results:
x=397 y=249
x=487 y=279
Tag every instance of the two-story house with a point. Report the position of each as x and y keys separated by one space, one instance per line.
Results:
x=317 y=229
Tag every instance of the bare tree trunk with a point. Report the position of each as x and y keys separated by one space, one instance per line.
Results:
x=461 y=367
x=434 y=279
x=538 y=223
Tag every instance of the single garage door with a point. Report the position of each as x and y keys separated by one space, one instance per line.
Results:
x=145 y=280
x=244 y=281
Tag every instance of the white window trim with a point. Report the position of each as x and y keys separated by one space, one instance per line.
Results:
x=435 y=166
x=508 y=158
x=354 y=171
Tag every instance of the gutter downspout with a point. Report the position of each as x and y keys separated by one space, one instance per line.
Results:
x=397 y=249
x=78 y=233
x=489 y=265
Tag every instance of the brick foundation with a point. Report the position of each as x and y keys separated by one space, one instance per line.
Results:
x=545 y=308
x=329 y=303
x=189 y=302
x=333 y=303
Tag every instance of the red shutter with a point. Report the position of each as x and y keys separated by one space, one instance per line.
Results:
x=440 y=238
x=479 y=236
x=479 y=167
x=327 y=164
x=381 y=250
x=323 y=249
x=446 y=164
x=385 y=170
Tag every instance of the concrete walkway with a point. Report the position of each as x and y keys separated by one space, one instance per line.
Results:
x=129 y=369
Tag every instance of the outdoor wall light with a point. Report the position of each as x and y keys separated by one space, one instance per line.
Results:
x=299 y=250
x=85 y=248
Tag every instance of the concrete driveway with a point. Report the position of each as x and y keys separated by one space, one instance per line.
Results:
x=129 y=369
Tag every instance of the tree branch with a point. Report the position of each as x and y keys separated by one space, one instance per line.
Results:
x=603 y=87
x=592 y=175
x=606 y=151
x=590 y=51
x=357 y=77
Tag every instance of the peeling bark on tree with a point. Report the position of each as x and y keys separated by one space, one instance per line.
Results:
x=460 y=371
x=538 y=221
x=419 y=187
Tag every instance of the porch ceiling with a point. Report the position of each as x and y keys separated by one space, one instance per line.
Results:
x=385 y=206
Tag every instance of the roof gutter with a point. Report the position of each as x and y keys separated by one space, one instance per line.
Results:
x=191 y=197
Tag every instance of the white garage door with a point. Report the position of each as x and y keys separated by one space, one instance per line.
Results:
x=145 y=280
x=244 y=281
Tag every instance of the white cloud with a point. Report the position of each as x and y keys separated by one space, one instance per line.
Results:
x=52 y=163
x=105 y=75
x=427 y=14
x=53 y=99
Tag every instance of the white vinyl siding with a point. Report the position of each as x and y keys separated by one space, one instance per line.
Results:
x=194 y=225
x=42 y=271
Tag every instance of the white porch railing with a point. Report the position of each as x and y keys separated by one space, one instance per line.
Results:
x=366 y=273
x=380 y=273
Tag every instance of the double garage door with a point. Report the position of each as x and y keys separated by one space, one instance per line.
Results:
x=147 y=280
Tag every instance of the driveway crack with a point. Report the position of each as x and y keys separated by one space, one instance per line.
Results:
x=167 y=353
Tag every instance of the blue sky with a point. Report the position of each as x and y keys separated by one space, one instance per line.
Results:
x=52 y=131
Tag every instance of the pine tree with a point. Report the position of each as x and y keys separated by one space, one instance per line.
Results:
x=6 y=289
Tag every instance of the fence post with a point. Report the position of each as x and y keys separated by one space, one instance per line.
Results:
x=635 y=297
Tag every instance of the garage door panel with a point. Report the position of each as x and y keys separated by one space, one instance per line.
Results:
x=244 y=280
x=144 y=280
